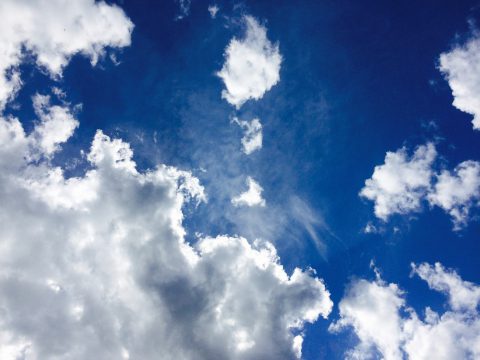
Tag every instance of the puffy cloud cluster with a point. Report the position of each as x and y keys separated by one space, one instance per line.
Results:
x=252 y=65
x=253 y=137
x=401 y=184
x=53 y=31
x=385 y=325
x=96 y=266
x=251 y=197
x=458 y=191
x=461 y=68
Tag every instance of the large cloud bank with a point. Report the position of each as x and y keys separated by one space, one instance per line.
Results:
x=96 y=266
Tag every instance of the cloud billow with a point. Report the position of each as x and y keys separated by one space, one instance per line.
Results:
x=252 y=65
x=96 y=266
x=383 y=322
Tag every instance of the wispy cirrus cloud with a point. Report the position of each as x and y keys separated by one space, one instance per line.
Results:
x=402 y=185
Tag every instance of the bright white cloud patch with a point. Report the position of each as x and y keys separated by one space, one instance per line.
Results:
x=53 y=31
x=56 y=125
x=401 y=184
x=253 y=137
x=385 y=325
x=458 y=192
x=461 y=67
x=252 y=65
x=398 y=186
x=462 y=295
x=251 y=197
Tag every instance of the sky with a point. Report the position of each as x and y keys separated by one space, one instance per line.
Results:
x=189 y=179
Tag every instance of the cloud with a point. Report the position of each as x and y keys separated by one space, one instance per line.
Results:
x=385 y=325
x=398 y=186
x=213 y=10
x=97 y=265
x=457 y=192
x=184 y=7
x=53 y=31
x=461 y=68
x=252 y=65
x=401 y=184
x=251 y=197
x=56 y=125
x=462 y=295
x=252 y=136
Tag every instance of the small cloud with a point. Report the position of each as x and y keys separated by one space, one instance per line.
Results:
x=213 y=10
x=252 y=65
x=184 y=7
x=370 y=228
x=253 y=137
x=251 y=197
x=399 y=185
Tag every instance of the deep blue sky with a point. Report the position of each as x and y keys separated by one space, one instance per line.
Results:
x=357 y=79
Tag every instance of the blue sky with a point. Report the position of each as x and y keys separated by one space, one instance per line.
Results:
x=354 y=80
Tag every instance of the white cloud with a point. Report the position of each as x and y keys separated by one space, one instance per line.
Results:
x=53 y=31
x=251 y=197
x=213 y=10
x=96 y=266
x=56 y=126
x=398 y=186
x=401 y=184
x=462 y=295
x=461 y=68
x=385 y=325
x=252 y=65
x=457 y=192
x=252 y=136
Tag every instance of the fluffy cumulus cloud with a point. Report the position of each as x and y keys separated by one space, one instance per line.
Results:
x=458 y=191
x=252 y=65
x=56 y=125
x=398 y=186
x=402 y=184
x=252 y=196
x=461 y=68
x=96 y=266
x=53 y=31
x=387 y=327
x=252 y=137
